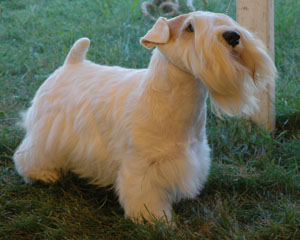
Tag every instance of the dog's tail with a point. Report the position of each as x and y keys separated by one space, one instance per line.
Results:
x=78 y=51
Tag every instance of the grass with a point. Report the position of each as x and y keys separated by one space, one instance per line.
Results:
x=253 y=189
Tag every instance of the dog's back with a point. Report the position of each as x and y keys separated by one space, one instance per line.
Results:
x=72 y=117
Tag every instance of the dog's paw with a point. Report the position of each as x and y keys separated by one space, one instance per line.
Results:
x=45 y=176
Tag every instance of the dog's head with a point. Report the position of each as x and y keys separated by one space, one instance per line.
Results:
x=231 y=62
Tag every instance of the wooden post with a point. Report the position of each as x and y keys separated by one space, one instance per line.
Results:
x=258 y=17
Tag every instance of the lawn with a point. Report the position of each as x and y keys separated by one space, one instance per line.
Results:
x=253 y=191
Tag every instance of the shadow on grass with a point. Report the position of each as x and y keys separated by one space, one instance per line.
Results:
x=290 y=123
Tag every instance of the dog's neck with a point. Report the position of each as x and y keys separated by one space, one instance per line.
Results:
x=164 y=75
x=176 y=95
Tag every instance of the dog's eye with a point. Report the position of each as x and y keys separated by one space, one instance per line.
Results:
x=190 y=28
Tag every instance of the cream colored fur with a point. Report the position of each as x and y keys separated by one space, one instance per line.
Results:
x=143 y=131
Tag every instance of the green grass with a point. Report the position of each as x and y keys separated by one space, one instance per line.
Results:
x=253 y=191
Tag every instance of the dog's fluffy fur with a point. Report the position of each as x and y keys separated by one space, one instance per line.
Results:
x=143 y=131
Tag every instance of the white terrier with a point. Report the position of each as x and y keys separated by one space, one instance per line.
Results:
x=143 y=131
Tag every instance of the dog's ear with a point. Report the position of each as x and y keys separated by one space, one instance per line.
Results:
x=158 y=34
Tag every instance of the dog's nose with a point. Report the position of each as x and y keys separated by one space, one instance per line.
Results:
x=232 y=38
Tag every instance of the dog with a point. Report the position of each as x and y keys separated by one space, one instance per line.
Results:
x=143 y=130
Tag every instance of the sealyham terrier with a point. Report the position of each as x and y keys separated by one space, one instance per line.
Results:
x=143 y=130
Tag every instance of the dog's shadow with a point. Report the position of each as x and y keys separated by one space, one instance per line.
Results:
x=74 y=190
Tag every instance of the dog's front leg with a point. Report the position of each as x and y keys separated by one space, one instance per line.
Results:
x=142 y=192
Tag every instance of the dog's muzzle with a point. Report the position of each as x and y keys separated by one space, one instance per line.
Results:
x=232 y=38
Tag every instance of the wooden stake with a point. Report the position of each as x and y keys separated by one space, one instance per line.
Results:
x=258 y=17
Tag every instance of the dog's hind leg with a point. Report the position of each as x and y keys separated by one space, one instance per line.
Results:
x=39 y=157
x=30 y=165
x=26 y=166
